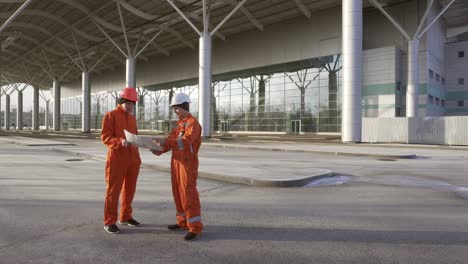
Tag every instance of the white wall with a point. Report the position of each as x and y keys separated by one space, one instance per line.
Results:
x=379 y=65
x=380 y=74
x=436 y=62
x=456 y=68
x=448 y=130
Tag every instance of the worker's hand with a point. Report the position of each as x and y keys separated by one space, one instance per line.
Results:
x=125 y=143
x=157 y=152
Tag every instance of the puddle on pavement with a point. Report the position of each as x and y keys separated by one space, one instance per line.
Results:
x=329 y=181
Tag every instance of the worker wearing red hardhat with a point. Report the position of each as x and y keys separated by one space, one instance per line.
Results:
x=123 y=161
x=184 y=141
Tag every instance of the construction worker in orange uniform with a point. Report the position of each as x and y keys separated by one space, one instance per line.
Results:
x=123 y=161
x=184 y=141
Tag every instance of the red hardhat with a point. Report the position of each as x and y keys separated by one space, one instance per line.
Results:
x=129 y=93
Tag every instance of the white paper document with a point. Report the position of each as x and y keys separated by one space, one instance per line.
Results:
x=143 y=141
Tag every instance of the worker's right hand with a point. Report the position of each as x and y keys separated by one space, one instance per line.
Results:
x=125 y=143
x=157 y=152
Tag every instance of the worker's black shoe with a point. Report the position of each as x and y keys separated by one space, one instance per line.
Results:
x=113 y=229
x=174 y=227
x=130 y=222
x=191 y=236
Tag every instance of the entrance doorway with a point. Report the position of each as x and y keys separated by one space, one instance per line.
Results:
x=296 y=126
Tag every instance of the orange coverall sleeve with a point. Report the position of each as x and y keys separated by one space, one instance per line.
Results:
x=192 y=132
x=108 y=133
x=170 y=141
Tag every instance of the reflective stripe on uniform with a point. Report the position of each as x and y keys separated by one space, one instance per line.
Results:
x=195 y=219
x=181 y=214
x=180 y=144
x=191 y=148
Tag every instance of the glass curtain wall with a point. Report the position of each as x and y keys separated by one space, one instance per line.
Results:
x=291 y=98
x=70 y=116
x=294 y=98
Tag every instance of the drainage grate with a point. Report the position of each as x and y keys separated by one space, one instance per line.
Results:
x=74 y=160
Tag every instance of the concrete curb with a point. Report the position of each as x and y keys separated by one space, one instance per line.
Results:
x=267 y=183
x=226 y=178
x=332 y=153
x=45 y=143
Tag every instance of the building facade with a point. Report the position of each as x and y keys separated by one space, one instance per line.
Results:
x=288 y=77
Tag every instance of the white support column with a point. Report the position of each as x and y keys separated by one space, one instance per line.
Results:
x=19 y=111
x=130 y=73
x=412 y=90
x=46 y=117
x=35 y=113
x=1 y=109
x=204 y=86
x=56 y=120
x=351 y=120
x=7 y=112
x=86 y=102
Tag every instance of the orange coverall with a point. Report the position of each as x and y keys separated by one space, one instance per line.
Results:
x=122 y=166
x=184 y=141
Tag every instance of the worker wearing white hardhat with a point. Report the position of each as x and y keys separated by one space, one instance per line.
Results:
x=184 y=141
x=180 y=98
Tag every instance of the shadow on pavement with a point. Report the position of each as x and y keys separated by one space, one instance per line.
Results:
x=335 y=235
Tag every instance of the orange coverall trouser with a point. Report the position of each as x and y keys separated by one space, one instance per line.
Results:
x=184 y=175
x=121 y=179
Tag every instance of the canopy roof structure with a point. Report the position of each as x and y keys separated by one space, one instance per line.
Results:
x=58 y=39
x=49 y=37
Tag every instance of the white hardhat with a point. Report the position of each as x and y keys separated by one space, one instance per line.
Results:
x=180 y=98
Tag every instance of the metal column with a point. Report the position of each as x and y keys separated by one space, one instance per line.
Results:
x=351 y=122
x=56 y=120
x=204 y=106
x=7 y=112
x=130 y=73
x=412 y=92
x=86 y=101
x=35 y=113
x=46 y=117
x=19 y=111
x=12 y=17
x=1 y=109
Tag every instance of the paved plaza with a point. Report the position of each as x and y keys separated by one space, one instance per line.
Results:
x=370 y=204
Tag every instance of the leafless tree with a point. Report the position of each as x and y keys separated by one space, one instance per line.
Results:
x=301 y=82
x=99 y=98
x=115 y=95
x=142 y=92
x=215 y=95
x=156 y=97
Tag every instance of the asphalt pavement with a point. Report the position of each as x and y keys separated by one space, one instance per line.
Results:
x=375 y=208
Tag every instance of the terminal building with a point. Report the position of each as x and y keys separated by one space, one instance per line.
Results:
x=370 y=71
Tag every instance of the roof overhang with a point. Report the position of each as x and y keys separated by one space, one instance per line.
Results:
x=59 y=39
